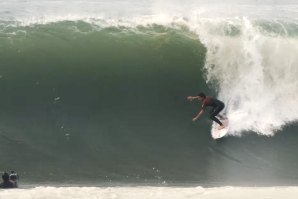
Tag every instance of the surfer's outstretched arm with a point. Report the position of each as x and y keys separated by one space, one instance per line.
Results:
x=199 y=115
x=190 y=98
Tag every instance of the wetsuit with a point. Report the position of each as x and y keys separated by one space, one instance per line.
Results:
x=216 y=105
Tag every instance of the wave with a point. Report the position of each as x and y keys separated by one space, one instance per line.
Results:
x=251 y=64
x=92 y=98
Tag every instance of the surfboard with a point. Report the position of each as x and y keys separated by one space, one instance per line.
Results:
x=215 y=133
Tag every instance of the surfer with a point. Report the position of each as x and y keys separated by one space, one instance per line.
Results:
x=216 y=105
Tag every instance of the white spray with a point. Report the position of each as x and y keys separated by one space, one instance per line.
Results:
x=256 y=74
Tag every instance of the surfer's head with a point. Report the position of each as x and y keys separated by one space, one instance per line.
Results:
x=201 y=96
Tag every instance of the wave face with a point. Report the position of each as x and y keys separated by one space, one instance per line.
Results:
x=90 y=96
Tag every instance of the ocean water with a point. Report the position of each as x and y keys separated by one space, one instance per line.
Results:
x=93 y=98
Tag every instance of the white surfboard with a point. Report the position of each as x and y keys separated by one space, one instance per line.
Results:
x=215 y=133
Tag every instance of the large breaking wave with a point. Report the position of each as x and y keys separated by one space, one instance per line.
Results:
x=101 y=96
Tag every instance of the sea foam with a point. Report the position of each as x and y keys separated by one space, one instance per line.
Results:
x=151 y=193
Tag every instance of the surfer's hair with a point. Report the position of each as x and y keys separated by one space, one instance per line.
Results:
x=202 y=95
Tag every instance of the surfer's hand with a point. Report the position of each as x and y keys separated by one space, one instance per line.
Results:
x=194 y=119
x=190 y=98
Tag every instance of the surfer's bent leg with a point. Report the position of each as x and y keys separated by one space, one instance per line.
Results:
x=212 y=117
x=215 y=112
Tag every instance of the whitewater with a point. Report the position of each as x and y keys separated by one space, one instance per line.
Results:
x=151 y=192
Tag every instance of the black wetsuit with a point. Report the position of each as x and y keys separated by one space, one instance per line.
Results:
x=216 y=105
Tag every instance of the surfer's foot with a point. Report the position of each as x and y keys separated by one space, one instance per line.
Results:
x=221 y=127
x=222 y=117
